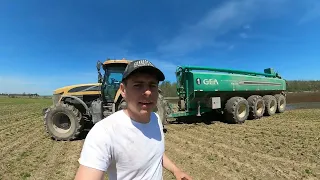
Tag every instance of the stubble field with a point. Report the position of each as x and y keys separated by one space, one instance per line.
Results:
x=285 y=146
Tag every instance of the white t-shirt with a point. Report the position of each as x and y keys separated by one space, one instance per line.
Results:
x=124 y=148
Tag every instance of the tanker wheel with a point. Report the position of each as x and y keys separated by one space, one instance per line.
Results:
x=236 y=110
x=271 y=105
x=256 y=107
x=281 y=103
x=63 y=122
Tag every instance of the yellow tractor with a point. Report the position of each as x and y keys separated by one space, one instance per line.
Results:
x=77 y=108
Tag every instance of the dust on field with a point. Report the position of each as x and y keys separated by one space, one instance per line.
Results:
x=285 y=146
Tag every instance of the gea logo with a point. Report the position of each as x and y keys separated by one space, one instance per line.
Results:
x=210 y=82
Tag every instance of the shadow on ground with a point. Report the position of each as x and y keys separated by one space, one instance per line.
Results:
x=208 y=118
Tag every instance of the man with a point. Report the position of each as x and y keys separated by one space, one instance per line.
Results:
x=129 y=144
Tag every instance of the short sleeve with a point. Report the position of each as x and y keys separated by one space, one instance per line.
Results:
x=161 y=126
x=96 y=151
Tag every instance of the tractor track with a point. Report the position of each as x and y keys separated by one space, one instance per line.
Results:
x=227 y=157
x=238 y=157
x=180 y=155
x=20 y=143
x=19 y=124
x=288 y=145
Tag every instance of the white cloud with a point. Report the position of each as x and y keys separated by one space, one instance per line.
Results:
x=312 y=11
x=243 y=35
x=218 y=21
x=231 y=47
x=247 y=26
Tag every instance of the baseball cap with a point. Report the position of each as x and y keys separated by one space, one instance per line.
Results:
x=142 y=65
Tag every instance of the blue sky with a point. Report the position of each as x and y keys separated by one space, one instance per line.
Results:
x=48 y=44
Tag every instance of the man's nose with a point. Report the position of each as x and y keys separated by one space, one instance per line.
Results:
x=147 y=92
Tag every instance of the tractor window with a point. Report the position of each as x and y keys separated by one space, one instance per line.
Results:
x=114 y=80
x=113 y=77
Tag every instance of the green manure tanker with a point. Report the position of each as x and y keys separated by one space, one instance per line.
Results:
x=238 y=95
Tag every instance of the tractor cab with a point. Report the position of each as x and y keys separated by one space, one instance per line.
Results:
x=110 y=81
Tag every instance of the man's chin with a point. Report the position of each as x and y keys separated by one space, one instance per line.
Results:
x=146 y=111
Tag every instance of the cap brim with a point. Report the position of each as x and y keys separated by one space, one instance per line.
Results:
x=151 y=70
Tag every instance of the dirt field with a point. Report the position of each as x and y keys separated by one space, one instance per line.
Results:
x=285 y=146
x=300 y=97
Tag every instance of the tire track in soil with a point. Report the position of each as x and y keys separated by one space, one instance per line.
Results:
x=254 y=142
x=269 y=130
x=225 y=162
x=285 y=138
x=15 y=124
x=27 y=139
x=48 y=169
x=193 y=163
x=285 y=162
x=12 y=116
x=27 y=162
x=69 y=161
x=12 y=153
x=8 y=117
x=18 y=132
x=238 y=139
x=29 y=123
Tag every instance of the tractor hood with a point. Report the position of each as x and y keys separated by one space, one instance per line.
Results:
x=76 y=88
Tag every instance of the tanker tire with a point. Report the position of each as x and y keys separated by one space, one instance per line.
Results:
x=232 y=108
x=271 y=105
x=281 y=103
x=74 y=117
x=256 y=107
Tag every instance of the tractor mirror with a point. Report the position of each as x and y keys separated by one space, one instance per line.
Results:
x=100 y=79
x=98 y=65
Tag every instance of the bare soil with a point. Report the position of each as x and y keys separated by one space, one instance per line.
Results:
x=300 y=97
x=284 y=146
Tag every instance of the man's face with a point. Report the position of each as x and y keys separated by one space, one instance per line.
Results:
x=141 y=93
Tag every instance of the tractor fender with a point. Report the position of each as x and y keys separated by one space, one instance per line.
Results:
x=77 y=99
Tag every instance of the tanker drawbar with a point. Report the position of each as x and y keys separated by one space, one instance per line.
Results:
x=238 y=95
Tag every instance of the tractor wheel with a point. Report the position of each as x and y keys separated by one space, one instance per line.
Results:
x=281 y=103
x=63 y=122
x=256 y=107
x=271 y=105
x=236 y=110
x=161 y=109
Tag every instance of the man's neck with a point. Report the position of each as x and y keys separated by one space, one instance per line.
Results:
x=144 y=119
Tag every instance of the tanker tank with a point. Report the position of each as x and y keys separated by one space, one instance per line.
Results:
x=238 y=95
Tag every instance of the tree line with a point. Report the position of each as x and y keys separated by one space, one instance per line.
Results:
x=13 y=95
x=169 y=88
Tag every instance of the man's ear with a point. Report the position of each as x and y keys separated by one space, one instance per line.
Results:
x=123 y=90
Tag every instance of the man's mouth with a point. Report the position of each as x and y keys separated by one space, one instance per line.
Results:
x=145 y=102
